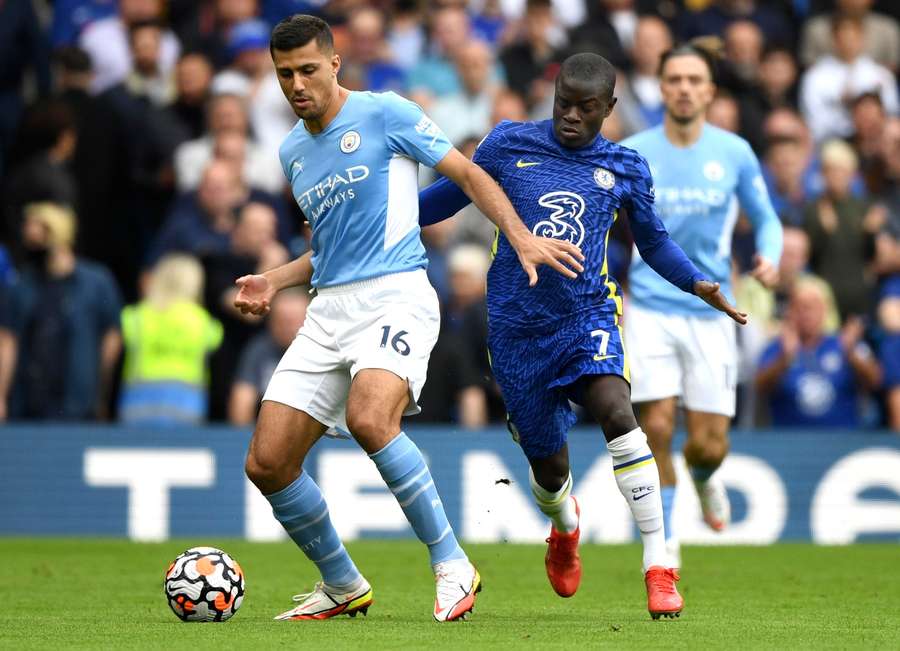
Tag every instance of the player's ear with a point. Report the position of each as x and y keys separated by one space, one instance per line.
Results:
x=335 y=63
x=610 y=106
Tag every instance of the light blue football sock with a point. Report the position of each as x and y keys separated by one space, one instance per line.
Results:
x=404 y=471
x=302 y=511
x=667 y=493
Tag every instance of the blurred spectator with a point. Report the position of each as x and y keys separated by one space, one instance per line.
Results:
x=467 y=114
x=45 y=144
x=831 y=84
x=22 y=47
x=406 y=34
x=814 y=379
x=70 y=17
x=366 y=64
x=641 y=92
x=724 y=112
x=488 y=22
x=251 y=75
x=744 y=44
x=435 y=75
x=881 y=36
x=187 y=113
x=253 y=248
x=201 y=223
x=783 y=170
x=599 y=33
x=168 y=337
x=147 y=79
x=228 y=114
x=778 y=77
x=262 y=354
x=208 y=29
x=720 y=13
x=531 y=62
x=508 y=106
x=60 y=327
x=107 y=43
x=869 y=120
x=842 y=231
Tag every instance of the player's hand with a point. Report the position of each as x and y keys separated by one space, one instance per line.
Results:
x=710 y=293
x=254 y=294
x=764 y=271
x=534 y=251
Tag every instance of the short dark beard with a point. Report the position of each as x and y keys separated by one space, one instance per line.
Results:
x=682 y=120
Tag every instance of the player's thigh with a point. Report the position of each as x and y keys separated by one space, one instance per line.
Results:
x=281 y=440
x=538 y=415
x=651 y=338
x=608 y=399
x=375 y=406
x=709 y=352
x=395 y=327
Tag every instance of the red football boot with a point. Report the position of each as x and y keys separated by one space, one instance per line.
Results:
x=663 y=599
x=562 y=560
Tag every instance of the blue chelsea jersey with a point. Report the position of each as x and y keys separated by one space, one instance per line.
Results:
x=570 y=194
x=357 y=184
x=699 y=190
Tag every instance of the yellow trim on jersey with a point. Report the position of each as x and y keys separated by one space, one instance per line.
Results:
x=626 y=366
x=495 y=243
x=604 y=271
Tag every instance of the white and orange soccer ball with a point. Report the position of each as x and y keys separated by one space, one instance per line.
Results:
x=204 y=584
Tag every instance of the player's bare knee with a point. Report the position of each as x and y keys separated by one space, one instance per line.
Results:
x=371 y=428
x=270 y=473
x=617 y=420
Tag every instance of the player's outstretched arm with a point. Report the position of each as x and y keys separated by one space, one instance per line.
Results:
x=441 y=200
x=256 y=291
x=710 y=293
x=484 y=192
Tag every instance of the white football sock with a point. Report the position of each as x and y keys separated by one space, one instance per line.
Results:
x=638 y=480
x=558 y=506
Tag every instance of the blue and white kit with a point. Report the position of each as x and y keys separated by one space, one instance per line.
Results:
x=357 y=184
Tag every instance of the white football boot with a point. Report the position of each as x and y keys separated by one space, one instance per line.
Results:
x=324 y=602
x=457 y=584
x=715 y=504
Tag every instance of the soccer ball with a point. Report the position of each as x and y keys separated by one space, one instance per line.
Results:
x=204 y=584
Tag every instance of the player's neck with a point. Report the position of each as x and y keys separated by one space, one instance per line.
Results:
x=683 y=134
x=334 y=107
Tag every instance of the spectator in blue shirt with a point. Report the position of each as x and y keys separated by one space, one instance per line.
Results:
x=813 y=379
x=59 y=331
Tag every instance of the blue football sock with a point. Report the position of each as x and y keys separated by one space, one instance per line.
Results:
x=404 y=471
x=302 y=511
x=667 y=493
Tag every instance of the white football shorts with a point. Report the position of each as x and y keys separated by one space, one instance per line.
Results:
x=675 y=355
x=389 y=323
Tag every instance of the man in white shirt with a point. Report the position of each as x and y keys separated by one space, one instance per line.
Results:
x=831 y=84
x=106 y=41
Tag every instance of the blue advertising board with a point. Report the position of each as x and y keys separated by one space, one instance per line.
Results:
x=827 y=487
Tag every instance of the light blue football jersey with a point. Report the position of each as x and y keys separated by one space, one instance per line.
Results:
x=699 y=190
x=357 y=184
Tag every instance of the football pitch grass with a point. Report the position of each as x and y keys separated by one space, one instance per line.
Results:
x=92 y=594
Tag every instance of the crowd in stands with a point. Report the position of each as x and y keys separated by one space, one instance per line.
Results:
x=139 y=178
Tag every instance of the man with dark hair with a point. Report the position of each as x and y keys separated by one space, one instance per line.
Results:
x=359 y=362
x=562 y=342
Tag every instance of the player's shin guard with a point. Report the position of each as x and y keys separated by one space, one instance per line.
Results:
x=557 y=506
x=302 y=511
x=638 y=481
x=404 y=471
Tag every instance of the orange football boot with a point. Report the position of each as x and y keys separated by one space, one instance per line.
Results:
x=663 y=599
x=562 y=561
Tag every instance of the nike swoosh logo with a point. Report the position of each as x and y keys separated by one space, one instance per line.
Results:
x=521 y=163
x=640 y=497
x=600 y=358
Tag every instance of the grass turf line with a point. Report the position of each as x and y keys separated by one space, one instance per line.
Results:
x=90 y=594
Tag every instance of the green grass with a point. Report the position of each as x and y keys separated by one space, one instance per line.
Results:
x=95 y=594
